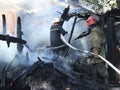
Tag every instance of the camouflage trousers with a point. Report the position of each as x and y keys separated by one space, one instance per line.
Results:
x=99 y=72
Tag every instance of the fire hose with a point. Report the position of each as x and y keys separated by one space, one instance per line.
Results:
x=88 y=52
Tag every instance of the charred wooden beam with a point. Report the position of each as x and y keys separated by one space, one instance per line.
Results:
x=71 y=34
x=65 y=14
x=4 y=24
x=109 y=21
x=9 y=39
x=111 y=40
x=19 y=35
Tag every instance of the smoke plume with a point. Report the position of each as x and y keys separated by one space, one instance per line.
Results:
x=36 y=18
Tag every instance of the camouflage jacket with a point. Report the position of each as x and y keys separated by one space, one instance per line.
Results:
x=97 y=42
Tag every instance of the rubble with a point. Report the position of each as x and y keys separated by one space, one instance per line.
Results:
x=54 y=76
x=59 y=74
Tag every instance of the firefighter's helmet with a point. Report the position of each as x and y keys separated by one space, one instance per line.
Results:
x=91 y=20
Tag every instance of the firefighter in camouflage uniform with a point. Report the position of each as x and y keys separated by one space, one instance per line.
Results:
x=97 y=46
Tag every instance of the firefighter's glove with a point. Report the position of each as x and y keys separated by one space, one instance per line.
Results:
x=95 y=53
x=75 y=39
x=78 y=37
x=66 y=32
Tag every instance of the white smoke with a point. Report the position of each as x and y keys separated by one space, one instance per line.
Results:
x=36 y=18
x=7 y=54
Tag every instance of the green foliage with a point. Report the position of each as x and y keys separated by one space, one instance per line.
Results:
x=118 y=4
x=92 y=1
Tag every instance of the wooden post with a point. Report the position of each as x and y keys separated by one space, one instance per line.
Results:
x=71 y=34
x=111 y=47
x=19 y=35
x=4 y=24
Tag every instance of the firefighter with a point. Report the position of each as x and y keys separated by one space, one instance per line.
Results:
x=97 y=46
x=55 y=31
